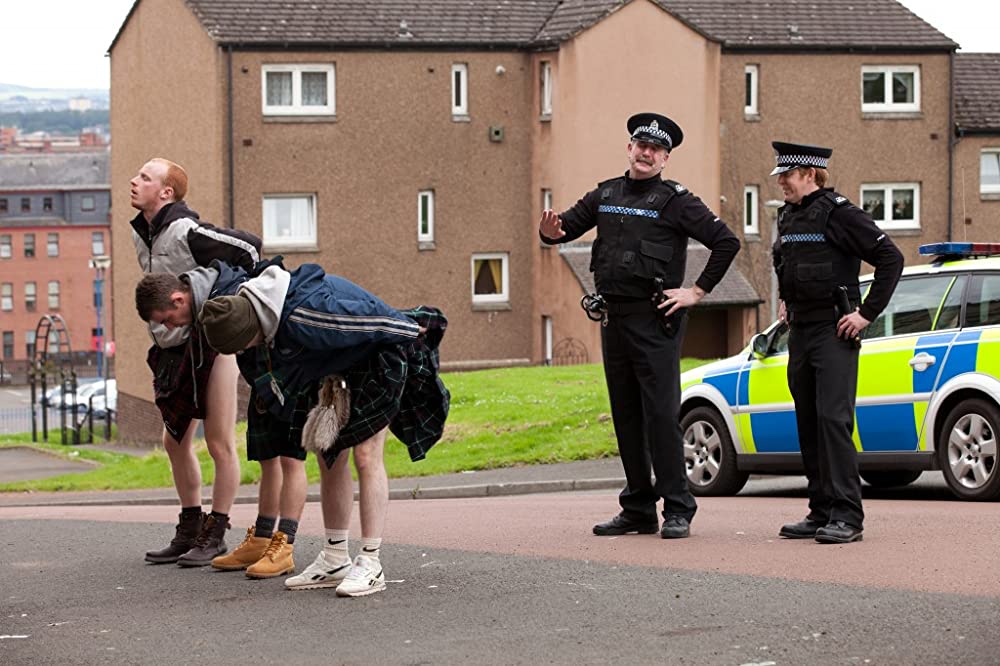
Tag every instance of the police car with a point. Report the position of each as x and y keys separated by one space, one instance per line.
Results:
x=928 y=389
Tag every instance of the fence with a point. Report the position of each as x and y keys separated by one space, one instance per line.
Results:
x=81 y=427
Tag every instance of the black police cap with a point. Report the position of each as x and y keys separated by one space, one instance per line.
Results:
x=654 y=128
x=790 y=156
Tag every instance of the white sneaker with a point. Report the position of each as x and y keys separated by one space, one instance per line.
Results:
x=365 y=577
x=321 y=573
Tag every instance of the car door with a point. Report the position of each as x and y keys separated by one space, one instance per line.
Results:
x=765 y=413
x=902 y=357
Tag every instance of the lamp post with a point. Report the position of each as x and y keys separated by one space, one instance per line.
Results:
x=772 y=206
x=100 y=264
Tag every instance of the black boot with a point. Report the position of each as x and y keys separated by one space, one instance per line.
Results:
x=208 y=545
x=188 y=529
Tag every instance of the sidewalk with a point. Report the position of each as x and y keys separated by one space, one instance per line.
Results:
x=605 y=474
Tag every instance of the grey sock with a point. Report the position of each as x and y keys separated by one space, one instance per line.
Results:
x=264 y=528
x=289 y=527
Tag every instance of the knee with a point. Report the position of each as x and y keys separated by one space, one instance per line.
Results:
x=292 y=467
x=366 y=459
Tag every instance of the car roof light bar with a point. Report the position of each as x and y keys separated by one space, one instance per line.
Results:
x=961 y=250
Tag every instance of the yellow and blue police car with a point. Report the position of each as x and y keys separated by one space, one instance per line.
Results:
x=928 y=389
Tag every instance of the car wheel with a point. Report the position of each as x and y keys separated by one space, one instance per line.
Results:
x=709 y=454
x=967 y=450
x=893 y=478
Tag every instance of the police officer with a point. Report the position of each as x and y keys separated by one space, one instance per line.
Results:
x=643 y=226
x=822 y=239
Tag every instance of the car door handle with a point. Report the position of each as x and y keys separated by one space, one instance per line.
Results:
x=922 y=361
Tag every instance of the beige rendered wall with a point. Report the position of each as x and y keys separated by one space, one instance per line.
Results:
x=977 y=216
x=166 y=100
x=393 y=136
x=638 y=59
x=816 y=99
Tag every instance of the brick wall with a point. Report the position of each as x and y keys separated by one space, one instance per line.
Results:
x=140 y=423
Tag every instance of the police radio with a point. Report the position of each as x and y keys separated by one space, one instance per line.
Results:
x=843 y=304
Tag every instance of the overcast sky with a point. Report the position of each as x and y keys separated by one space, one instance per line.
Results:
x=61 y=43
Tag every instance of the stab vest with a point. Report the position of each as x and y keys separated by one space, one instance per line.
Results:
x=634 y=244
x=811 y=267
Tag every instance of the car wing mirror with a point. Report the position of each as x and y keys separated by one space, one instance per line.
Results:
x=759 y=346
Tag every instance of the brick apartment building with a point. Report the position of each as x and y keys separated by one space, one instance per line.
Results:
x=412 y=148
x=976 y=194
x=54 y=219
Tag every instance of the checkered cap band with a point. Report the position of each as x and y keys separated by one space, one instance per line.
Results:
x=653 y=131
x=801 y=160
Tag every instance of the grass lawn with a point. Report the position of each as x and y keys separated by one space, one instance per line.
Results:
x=499 y=418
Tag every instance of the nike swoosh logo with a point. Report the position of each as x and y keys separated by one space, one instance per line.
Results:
x=334 y=543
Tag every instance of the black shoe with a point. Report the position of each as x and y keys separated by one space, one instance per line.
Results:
x=675 y=527
x=804 y=529
x=208 y=545
x=838 y=532
x=622 y=525
x=188 y=529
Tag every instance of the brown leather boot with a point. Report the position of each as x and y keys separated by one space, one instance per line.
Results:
x=245 y=554
x=209 y=544
x=276 y=560
x=188 y=529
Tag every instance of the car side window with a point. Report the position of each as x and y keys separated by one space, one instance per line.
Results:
x=951 y=310
x=913 y=307
x=984 y=301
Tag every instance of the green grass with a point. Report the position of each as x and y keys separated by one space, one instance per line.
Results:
x=499 y=418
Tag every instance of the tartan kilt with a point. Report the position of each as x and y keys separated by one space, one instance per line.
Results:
x=180 y=382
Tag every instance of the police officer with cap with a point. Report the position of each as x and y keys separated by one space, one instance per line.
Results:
x=822 y=239
x=643 y=225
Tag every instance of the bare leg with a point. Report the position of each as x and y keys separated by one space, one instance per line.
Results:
x=293 y=488
x=184 y=466
x=220 y=431
x=374 y=485
x=269 y=491
x=336 y=492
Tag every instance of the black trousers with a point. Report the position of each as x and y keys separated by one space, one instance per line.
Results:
x=642 y=369
x=823 y=378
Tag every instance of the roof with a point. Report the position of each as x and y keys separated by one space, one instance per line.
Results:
x=55 y=171
x=977 y=92
x=733 y=289
x=795 y=25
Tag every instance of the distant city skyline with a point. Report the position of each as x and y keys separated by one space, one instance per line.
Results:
x=62 y=43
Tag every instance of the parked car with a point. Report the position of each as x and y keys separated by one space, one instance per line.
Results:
x=101 y=402
x=928 y=390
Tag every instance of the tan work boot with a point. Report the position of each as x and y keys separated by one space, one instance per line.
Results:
x=245 y=554
x=276 y=560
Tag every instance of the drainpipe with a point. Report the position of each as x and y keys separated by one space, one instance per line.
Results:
x=229 y=132
x=952 y=140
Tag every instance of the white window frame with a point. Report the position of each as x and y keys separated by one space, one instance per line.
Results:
x=52 y=242
x=54 y=293
x=504 y=295
x=288 y=242
x=753 y=71
x=545 y=89
x=751 y=214
x=7 y=296
x=296 y=108
x=30 y=296
x=6 y=246
x=95 y=238
x=546 y=199
x=988 y=189
x=889 y=106
x=887 y=190
x=88 y=203
x=428 y=237
x=460 y=108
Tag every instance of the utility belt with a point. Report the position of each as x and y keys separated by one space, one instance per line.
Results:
x=599 y=308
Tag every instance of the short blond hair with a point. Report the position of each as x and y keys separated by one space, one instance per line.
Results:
x=176 y=178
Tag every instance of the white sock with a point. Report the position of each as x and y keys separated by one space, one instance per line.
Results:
x=335 y=547
x=371 y=547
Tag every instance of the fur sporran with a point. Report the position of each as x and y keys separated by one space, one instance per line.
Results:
x=327 y=418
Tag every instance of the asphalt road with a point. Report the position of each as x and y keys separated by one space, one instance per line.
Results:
x=517 y=580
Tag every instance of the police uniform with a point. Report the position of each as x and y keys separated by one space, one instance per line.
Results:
x=821 y=242
x=643 y=227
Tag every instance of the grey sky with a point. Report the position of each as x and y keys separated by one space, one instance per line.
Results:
x=61 y=43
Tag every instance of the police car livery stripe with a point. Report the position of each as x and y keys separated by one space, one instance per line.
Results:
x=803 y=238
x=620 y=210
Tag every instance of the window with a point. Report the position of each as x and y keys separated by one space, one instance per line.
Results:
x=54 y=295
x=87 y=202
x=5 y=246
x=951 y=309
x=53 y=245
x=460 y=90
x=7 y=296
x=886 y=89
x=425 y=216
x=30 y=296
x=3 y=205
x=546 y=199
x=97 y=243
x=290 y=220
x=29 y=245
x=892 y=205
x=989 y=171
x=290 y=90
x=47 y=204
x=984 y=301
x=53 y=342
x=25 y=205
x=751 y=222
x=750 y=90
x=912 y=308
x=8 y=344
x=546 y=90
x=29 y=343
x=490 y=278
